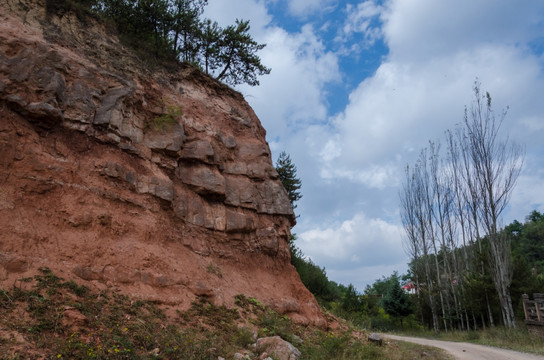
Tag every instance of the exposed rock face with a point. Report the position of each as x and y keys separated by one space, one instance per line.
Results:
x=145 y=183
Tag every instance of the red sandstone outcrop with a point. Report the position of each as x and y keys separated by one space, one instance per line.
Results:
x=159 y=185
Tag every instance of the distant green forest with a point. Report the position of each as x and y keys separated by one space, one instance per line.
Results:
x=173 y=30
x=383 y=306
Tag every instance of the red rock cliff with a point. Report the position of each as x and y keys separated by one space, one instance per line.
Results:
x=95 y=185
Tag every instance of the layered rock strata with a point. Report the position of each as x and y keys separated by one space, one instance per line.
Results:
x=157 y=184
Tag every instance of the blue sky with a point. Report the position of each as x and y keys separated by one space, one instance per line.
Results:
x=358 y=88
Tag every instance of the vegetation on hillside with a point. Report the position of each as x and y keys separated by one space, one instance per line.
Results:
x=375 y=308
x=48 y=317
x=174 y=30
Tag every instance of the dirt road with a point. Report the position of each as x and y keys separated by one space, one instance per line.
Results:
x=466 y=351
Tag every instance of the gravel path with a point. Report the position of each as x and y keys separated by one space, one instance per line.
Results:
x=466 y=351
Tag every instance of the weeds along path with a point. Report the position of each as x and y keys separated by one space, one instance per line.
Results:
x=466 y=351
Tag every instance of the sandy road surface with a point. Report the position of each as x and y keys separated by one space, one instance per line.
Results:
x=466 y=351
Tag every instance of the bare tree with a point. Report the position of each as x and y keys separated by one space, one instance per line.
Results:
x=459 y=215
x=496 y=164
x=428 y=161
x=417 y=245
x=459 y=200
x=471 y=196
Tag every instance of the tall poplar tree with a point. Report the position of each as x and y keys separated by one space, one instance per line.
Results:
x=460 y=200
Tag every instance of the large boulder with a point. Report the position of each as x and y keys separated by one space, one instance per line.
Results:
x=278 y=348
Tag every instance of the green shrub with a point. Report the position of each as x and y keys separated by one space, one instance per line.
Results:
x=171 y=117
x=271 y=324
x=324 y=346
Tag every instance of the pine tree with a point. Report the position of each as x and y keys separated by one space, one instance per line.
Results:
x=396 y=302
x=237 y=56
x=288 y=176
x=210 y=37
x=186 y=27
x=174 y=30
x=351 y=301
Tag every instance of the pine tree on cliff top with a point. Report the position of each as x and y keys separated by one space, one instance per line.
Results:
x=174 y=30
x=288 y=176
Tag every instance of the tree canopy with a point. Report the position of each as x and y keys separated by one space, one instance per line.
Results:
x=237 y=55
x=174 y=30
x=395 y=301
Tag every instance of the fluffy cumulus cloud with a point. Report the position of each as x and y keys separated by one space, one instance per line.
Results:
x=361 y=243
x=293 y=96
x=226 y=13
x=419 y=30
x=393 y=114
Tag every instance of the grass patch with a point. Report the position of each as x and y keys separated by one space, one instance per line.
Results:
x=170 y=117
x=326 y=345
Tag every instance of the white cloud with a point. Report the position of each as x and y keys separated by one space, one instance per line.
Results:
x=421 y=29
x=533 y=123
x=331 y=150
x=359 y=20
x=293 y=96
x=372 y=176
x=355 y=239
x=527 y=195
x=404 y=106
x=306 y=8
x=226 y=13
x=361 y=242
